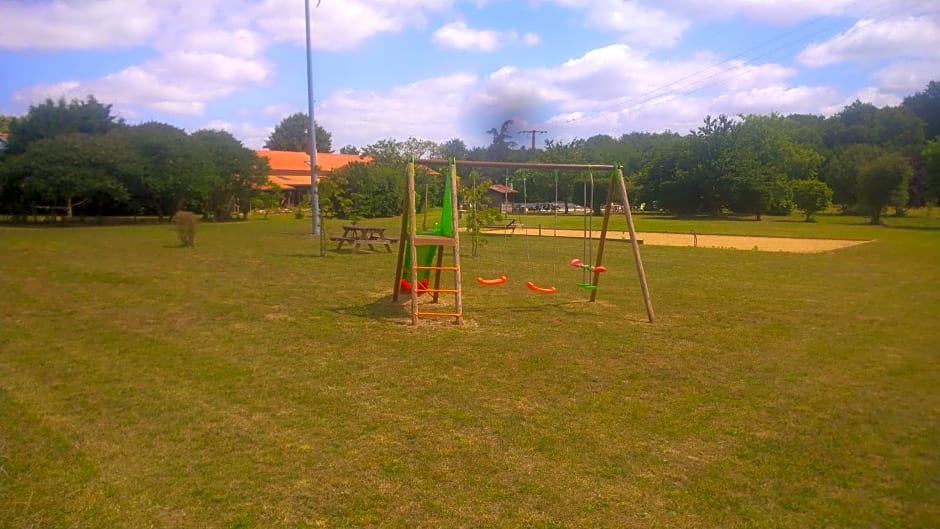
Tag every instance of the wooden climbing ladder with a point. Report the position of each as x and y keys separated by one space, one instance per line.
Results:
x=432 y=244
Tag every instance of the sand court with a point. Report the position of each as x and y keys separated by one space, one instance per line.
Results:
x=736 y=242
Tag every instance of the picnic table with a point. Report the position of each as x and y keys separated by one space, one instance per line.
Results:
x=363 y=235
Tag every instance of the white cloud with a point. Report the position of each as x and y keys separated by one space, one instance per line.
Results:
x=346 y=24
x=907 y=77
x=179 y=83
x=458 y=35
x=871 y=40
x=75 y=25
x=425 y=109
x=632 y=21
x=606 y=90
x=251 y=135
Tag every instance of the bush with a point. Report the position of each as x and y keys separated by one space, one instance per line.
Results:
x=811 y=196
x=185 y=223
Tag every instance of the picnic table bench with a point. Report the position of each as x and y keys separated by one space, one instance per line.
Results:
x=364 y=235
x=509 y=226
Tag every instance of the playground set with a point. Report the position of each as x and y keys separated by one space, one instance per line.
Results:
x=421 y=253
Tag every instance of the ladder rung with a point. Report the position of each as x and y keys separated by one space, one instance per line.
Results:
x=452 y=268
x=441 y=314
x=445 y=290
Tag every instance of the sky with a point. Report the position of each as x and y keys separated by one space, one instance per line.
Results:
x=443 y=69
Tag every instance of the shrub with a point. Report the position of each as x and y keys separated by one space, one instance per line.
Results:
x=185 y=223
x=811 y=196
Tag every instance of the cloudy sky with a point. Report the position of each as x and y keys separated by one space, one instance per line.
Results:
x=439 y=69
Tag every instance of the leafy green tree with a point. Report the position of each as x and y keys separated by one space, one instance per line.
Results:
x=266 y=200
x=349 y=149
x=760 y=161
x=292 y=134
x=811 y=196
x=925 y=105
x=931 y=154
x=454 y=148
x=52 y=118
x=840 y=172
x=365 y=190
x=177 y=172
x=5 y=122
x=387 y=151
x=71 y=169
x=882 y=182
x=238 y=171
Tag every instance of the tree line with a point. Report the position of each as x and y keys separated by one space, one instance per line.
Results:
x=76 y=157
x=863 y=159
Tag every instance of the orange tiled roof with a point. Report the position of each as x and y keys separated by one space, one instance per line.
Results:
x=297 y=161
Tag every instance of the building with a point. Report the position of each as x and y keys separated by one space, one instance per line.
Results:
x=290 y=170
x=502 y=197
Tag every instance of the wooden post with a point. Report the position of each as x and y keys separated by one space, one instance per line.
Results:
x=635 y=245
x=455 y=206
x=412 y=233
x=600 y=245
x=402 y=240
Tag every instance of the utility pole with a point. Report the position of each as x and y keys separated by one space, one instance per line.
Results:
x=314 y=193
x=533 y=133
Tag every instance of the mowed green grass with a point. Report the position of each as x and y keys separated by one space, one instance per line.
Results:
x=250 y=382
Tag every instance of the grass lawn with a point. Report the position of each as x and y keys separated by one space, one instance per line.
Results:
x=250 y=382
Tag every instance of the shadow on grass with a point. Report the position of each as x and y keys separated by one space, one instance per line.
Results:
x=916 y=228
x=382 y=309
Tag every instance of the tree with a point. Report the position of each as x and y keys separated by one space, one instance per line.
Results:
x=5 y=122
x=811 y=196
x=364 y=190
x=177 y=172
x=502 y=142
x=349 y=149
x=293 y=134
x=454 y=148
x=881 y=182
x=238 y=171
x=925 y=105
x=841 y=172
x=760 y=161
x=931 y=154
x=266 y=200
x=72 y=169
x=51 y=119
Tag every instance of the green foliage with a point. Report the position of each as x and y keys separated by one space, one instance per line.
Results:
x=349 y=149
x=883 y=182
x=363 y=190
x=72 y=168
x=176 y=173
x=811 y=196
x=841 y=172
x=238 y=171
x=185 y=223
x=266 y=200
x=292 y=134
x=53 y=118
x=475 y=197
x=925 y=105
x=931 y=154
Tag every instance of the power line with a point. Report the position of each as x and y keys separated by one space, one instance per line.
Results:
x=661 y=95
x=533 y=133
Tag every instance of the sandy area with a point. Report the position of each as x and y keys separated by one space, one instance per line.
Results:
x=737 y=242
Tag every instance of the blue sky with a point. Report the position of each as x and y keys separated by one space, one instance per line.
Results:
x=439 y=69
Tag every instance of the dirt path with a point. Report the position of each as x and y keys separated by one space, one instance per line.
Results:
x=737 y=242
